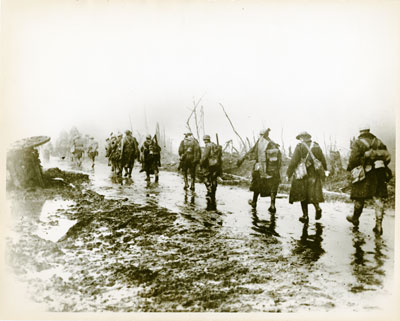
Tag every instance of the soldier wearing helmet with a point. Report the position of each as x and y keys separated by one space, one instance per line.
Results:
x=150 y=157
x=211 y=163
x=189 y=156
x=368 y=166
x=129 y=151
x=92 y=151
x=308 y=168
x=266 y=171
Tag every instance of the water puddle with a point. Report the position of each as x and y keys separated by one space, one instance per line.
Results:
x=53 y=226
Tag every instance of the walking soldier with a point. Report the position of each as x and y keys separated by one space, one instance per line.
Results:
x=266 y=171
x=211 y=164
x=190 y=154
x=92 y=152
x=150 y=157
x=77 y=149
x=129 y=151
x=308 y=168
x=368 y=165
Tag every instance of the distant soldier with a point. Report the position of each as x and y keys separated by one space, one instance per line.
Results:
x=93 y=149
x=116 y=153
x=308 y=168
x=129 y=151
x=211 y=164
x=189 y=154
x=77 y=149
x=266 y=171
x=150 y=157
x=368 y=165
x=109 y=143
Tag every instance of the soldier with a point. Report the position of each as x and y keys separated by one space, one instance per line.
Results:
x=308 y=168
x=129 y=151
x=211 y=163
x=190 y=154
x=109 y=143
x=77 y=149
x=368 y=165
x=266 y=172
x=92 y=152
x=150 y=157
x=116 y=154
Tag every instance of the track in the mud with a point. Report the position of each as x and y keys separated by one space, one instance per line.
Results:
x=155 y=248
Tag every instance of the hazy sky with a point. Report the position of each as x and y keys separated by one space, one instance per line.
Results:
x=321 y=66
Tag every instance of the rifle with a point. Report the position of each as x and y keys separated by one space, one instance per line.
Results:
x=158 y=150
x=219 y=149
x=241 y=160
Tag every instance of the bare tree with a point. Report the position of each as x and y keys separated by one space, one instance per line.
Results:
x=241 y=139
x=195 y=119
x=193 y=111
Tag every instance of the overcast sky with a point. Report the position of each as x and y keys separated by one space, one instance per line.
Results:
x=321 y=66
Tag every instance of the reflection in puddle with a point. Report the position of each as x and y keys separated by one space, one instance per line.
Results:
x=309 y=247
x=367 y=266
x=264 y=227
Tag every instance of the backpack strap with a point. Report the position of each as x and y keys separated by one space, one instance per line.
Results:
x=366 y=144
x=310 y=151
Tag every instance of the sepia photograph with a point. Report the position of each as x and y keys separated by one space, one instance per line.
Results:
x=201 y=156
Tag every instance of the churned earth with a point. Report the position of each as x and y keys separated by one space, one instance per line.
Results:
x=98 y=243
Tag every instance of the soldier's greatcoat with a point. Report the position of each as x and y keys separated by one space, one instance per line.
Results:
x=129 y=151
x=266 y=174
x=374 y=183
x=150 y=153
x=190 y=153
x=309 y=188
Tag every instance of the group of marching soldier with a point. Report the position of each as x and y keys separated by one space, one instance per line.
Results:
x=368 y=165
x=80 y=145
x=122 y=150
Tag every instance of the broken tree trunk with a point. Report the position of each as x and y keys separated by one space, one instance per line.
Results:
x=241 y=139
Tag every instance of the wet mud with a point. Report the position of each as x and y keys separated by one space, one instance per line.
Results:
x=102 y=243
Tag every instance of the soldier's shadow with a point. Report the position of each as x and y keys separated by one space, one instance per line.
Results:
x=309 y=246
x=264 y=227
x=367 y=265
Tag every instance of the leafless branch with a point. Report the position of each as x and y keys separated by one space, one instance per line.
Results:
x=241 y=139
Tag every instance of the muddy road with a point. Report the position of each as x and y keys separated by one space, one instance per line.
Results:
x=124 y=246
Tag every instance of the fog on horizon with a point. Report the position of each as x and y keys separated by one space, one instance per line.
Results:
x=326 y=68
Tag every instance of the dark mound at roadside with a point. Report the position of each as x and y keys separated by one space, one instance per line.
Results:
x=55 y=176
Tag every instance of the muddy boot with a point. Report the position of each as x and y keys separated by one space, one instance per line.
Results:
x=253 y=202
x=272 y=208
x=304 y=208
x=379 y=211
x=318 y=211
x=358 y=208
